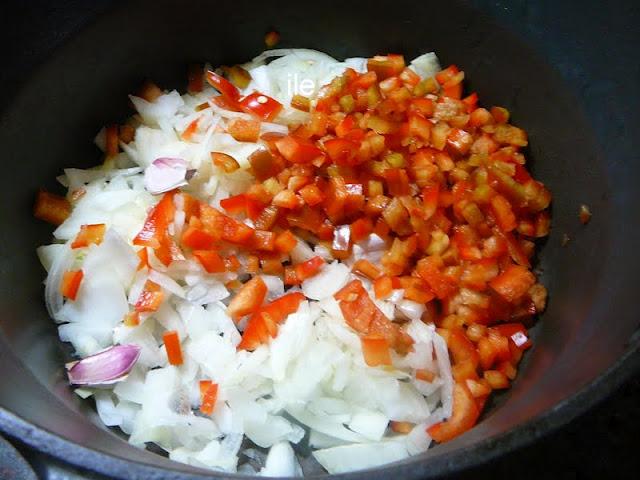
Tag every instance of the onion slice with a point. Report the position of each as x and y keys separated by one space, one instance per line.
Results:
x=165 y=174
x=105 y=367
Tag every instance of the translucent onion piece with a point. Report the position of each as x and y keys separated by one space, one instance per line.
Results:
x=165 y=174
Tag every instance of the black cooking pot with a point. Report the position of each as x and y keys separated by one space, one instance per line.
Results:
x=581 y=129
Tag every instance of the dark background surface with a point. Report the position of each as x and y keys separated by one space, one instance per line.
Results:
x=602 y=443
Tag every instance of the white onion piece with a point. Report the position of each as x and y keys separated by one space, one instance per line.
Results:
x=281 y=462
x=444 y=366
x=410 y=309
x=167 y=283
x=301 y=252
x=165 y=174
x=52 y=295
x=105 y=367
x=331 y=278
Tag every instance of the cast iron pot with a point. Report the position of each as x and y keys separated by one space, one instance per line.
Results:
x=580 y=134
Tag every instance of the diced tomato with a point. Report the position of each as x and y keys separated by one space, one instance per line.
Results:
x=465 y=414
x=376 y=351
x=297 y=150
x=71 y=283
x=208 y=396
x=172 y=346
x=513 y=282
x=89 y=234
x=262 y=106
x=210 y=260
x=51 y=208
x=150 y=298
x=248 y=299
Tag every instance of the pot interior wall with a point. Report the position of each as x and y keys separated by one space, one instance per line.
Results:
x=52 y=121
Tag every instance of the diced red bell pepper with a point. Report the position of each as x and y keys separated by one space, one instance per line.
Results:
x=260 y=105
x=465 y=414
x=297 y=150
x=471 y=102
x=376 y=351
x=309 y=268
x=89 y=234
x=227 y=163
x=397 y=181
x=263 y=324
x=157 y=222
x=197 y=238
x=208 y=396
x=210 y=260
x=150 y=298
x=224 y=86
x=366 y=268
x=71 y=283
x=51 y=208
x=173 y=348
x=503 y=213
x=263 y=240
x=361 y=229
x=248 y=299
x=234 y=231
x=516 y=332
x=188 y=133
x=311 y=195
x=461 y=348
x=386 y=65
x=244 y=130
x=341 y=151
x=420 y=127
x=429 y=269
x=513 y=282
x=447 y=74
x=285 y=242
